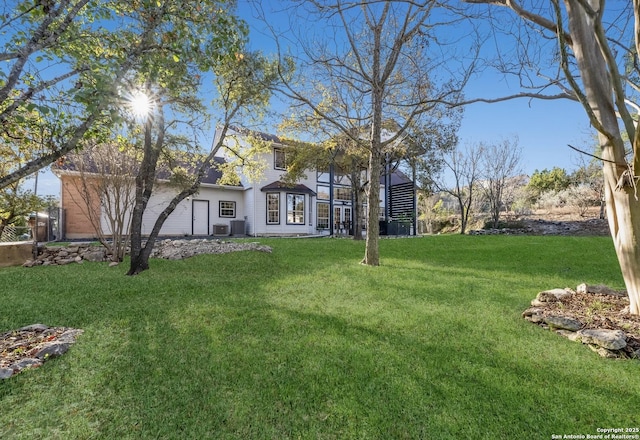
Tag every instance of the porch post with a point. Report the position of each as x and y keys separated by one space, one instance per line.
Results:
x=331 y=172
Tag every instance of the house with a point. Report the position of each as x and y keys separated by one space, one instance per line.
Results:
x=320 y=204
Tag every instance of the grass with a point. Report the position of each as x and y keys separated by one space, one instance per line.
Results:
x=307 y=343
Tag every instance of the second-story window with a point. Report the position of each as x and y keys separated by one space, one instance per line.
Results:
x=279 y=159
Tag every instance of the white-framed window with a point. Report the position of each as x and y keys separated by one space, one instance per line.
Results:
x=323 y=216
x=295 y=209
x=322 y=192
x=273 y=208
x=340 y=193
x=279 y=159
x=227 y=209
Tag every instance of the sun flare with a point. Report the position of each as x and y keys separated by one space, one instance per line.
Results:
x=140 y=104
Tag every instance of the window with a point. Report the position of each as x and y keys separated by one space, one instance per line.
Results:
x=342 y=194
x=322 y=192
x=227 y=209
x=323 y=216
x=279 y=159
x=273 y=208
x=323 y=176
x=295 y=209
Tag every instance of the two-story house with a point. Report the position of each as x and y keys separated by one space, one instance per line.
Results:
x=320 y=204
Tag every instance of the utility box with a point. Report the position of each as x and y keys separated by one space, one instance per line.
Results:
x=220 y=229
x=237 y=227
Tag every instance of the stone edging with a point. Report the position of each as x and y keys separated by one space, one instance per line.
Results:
x=167 y=249
x=608 y=343
x=61 y=255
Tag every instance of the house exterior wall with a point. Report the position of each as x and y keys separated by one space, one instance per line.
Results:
x=181 y=221
x=255 y=199
x=75 y=218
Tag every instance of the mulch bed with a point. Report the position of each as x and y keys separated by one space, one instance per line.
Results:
x=25 y=343
x=599 y=311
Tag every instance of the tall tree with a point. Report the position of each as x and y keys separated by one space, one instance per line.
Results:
x=499 y=163
x=20 y=143
x=71 y=61
x=376 y=62
x=540 y=182
x=244 y=82
x=596 y=60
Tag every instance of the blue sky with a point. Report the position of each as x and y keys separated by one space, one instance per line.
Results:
x=543 y=128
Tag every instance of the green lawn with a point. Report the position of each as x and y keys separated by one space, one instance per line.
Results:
x=307 y=343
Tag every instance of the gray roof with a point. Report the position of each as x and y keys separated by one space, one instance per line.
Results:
x=213 y=174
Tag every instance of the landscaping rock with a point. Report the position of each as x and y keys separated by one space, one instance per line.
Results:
x=180 y=249
x=6 y=373
x=167 y=249
x=94 y=255
x=34 y=328
x=28 y=363
x=609 y=339
x=552 y=295
x=570 y=335
x=52 y=349
x=603 y=352
x=599 y=289
x=563 y=323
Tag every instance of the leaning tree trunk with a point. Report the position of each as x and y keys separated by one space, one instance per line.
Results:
x=144 y=188
x=600 y=87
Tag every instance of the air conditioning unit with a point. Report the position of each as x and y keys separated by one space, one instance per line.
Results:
x=237 y=227
x=220 y=229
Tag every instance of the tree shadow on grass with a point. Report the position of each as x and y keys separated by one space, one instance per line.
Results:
x=243 y=354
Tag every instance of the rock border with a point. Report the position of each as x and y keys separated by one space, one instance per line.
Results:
x=167 y=249
x=31 y=346
x=62 y=255
x=179 y=249
x=607 y=342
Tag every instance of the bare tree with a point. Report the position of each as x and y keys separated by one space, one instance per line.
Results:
x=595 y=57
x=105 y=187
x=375 y=68
x=460 y=179
x=499 y=163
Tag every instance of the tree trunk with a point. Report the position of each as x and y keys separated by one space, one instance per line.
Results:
x=623 y=208
x=356 y=185
x=144 y=188
x=140 y=260
x=623 y=215
x=464 y=216
x=372 y=253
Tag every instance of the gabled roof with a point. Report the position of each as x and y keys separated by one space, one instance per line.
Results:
x=397 y=177
x=258 y=134
x=281 y=186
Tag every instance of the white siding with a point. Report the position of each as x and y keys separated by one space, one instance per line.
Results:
x=180 y=221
